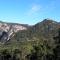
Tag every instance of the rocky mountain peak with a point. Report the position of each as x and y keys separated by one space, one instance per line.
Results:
x=49 y=21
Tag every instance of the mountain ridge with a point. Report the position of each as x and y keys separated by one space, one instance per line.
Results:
x=45 y=28
x=41 y=29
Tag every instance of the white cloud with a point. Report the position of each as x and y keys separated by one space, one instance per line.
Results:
x=34 y=9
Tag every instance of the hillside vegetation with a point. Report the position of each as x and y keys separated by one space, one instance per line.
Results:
x=37 y=42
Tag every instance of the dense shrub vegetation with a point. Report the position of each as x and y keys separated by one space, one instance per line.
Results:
x=30 y=50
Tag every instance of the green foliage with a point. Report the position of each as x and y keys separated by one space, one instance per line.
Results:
x=40 y=50
x=57 y=48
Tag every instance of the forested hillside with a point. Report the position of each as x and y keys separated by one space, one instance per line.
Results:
x=38 y=42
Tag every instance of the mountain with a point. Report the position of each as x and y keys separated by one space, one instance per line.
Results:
x=23 y=32
x=47 y=26
x=7 y=30
x=24 y=41
x=46 y=29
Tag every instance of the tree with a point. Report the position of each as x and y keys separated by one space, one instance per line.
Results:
x=17 y=54
x=57 y=49
x=40 y=52
x=5 y=55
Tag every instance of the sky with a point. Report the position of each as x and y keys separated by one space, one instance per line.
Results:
x=29 y=11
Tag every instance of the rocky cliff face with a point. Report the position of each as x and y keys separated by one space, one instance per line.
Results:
x=7 y=30
x=7 y=27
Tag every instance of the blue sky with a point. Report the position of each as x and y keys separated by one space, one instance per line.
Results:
x=29 y=11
